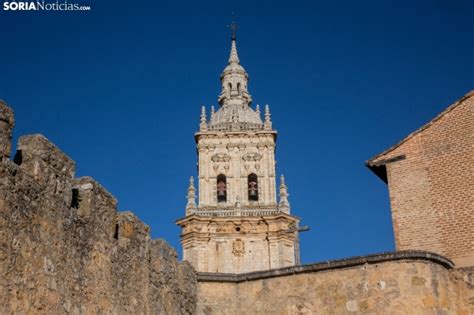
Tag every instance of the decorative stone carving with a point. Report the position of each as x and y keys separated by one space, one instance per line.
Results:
x=220 y=157
x=252 y=157
x=238 y=247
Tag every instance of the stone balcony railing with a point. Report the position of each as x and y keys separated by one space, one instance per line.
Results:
x=251 y=212
x=235 y=127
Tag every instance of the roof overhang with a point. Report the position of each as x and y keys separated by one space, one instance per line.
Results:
x=380 y=169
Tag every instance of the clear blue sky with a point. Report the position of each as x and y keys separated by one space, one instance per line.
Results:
x=119 y=89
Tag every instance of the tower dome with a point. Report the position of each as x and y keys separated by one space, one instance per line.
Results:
x=234 y=111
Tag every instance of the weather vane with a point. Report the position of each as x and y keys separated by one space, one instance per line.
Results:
x=233 y=27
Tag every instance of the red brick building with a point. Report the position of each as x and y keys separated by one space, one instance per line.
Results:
x=430 y=177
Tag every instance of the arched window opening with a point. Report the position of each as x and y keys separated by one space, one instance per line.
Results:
x=252 y=181
x=238 y=88
x=221 y=188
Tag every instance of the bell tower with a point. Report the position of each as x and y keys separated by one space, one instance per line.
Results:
x=238 y=225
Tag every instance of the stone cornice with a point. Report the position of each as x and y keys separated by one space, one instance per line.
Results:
x=280 y=215
x=351 y=262
x=221 y=134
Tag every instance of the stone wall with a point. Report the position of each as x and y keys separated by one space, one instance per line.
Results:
x=431 y=183
x=238 y=235
x=239 y=244
x=393 y=283
x=64 y=248
x=7 y=122
x=236 y=155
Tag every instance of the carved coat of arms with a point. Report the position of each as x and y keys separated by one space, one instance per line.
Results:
x=238 y=247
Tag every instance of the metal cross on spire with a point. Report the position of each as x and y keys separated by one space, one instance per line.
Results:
x=233 y=27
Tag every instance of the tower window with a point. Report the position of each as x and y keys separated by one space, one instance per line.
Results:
x=252 y=181
x=238 y=88
x=221 y=188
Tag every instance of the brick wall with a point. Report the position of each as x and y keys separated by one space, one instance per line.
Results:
x=430 y=176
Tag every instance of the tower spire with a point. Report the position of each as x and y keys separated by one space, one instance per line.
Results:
x=234 y=78
x=234 y=57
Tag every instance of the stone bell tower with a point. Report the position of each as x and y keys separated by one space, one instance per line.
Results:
x=238 y=225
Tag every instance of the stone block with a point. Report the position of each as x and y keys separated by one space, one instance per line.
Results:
x=42 y=160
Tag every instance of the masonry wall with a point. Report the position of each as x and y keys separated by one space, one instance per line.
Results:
x=239 y=235
x=236 y=155
x=370 y=285
x=64 y=248
x=239 y=244
x=7 y=122
x=432 y=186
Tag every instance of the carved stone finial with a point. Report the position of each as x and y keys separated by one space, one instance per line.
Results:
x=203 y=114
x=191 y=205
x=203 y=124
x=268 y=121
x=284 y=204
x=257 y=110
x=213 y=113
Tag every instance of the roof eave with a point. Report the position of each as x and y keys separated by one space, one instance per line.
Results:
x=376 y=165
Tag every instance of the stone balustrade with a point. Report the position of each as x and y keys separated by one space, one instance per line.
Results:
x=252 y=212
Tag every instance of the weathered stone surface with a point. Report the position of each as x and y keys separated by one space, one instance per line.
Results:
x=394 y=283
x=65 y=249
x=7 y=121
